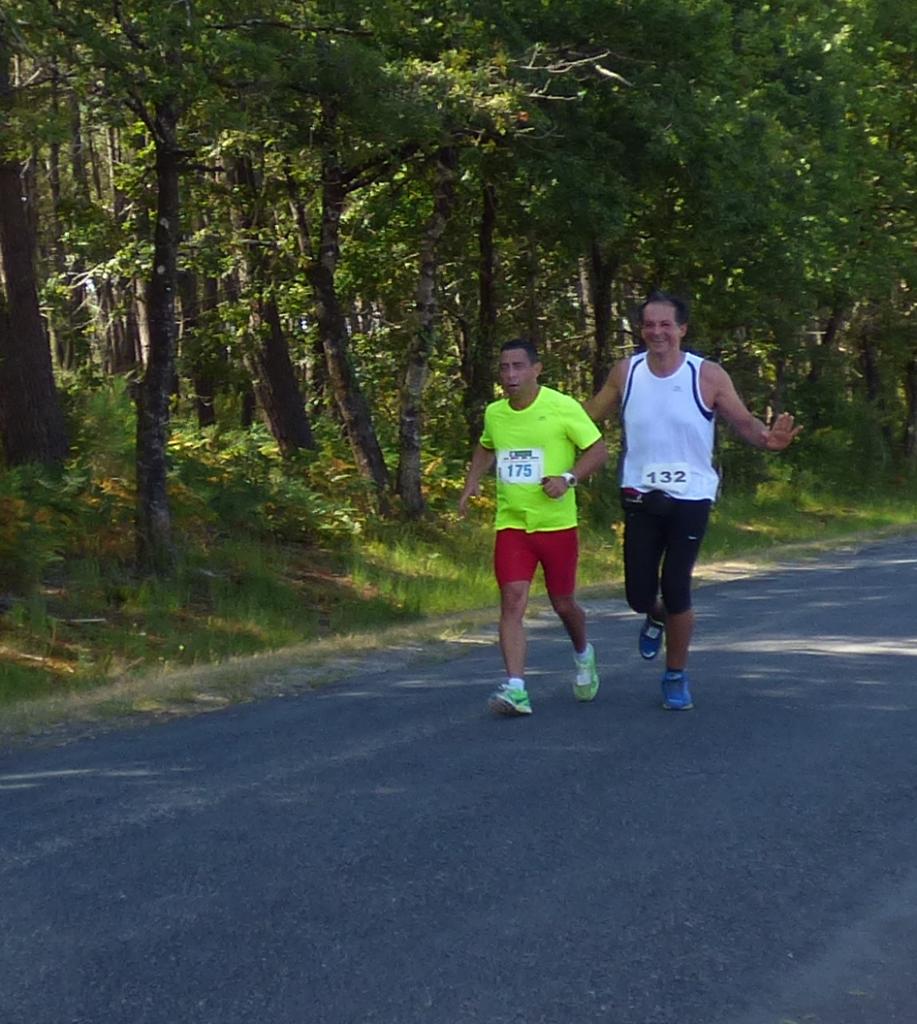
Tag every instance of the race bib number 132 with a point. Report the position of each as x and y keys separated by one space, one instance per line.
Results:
x=671 y=477
x=521 y=465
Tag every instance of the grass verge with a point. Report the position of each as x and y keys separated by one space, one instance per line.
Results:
x=247 y=619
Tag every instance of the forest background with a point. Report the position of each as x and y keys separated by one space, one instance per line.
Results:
x=256 y=260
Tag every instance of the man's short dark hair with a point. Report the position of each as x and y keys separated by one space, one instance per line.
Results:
x=678 y=304
x=527 y=346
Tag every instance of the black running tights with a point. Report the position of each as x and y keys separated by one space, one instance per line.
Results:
x=673 y=540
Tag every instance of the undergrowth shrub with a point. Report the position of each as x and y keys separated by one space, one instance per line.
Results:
x=36 y=521
x=236 y=480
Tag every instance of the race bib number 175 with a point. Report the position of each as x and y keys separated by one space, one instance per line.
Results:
x=521 y=465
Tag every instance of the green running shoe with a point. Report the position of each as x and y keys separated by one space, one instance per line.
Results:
x=506 y=701
x=586 y=684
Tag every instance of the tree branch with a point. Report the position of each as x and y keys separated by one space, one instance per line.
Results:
x=127 y=28
x=564 y=66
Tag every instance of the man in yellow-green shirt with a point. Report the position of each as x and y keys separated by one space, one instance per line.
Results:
x=542 y=444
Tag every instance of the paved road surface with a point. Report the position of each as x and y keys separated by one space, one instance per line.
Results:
x=383 y=852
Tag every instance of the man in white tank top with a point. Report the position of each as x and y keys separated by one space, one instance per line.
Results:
x=668 y=400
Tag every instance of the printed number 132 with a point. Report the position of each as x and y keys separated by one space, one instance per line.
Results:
x=667 y=476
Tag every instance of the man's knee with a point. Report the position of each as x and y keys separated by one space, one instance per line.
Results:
x=676 y=599
x=513 y=599
x=640 y=600
x=564 y=604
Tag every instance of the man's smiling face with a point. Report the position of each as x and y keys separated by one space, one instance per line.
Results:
x=660 y=329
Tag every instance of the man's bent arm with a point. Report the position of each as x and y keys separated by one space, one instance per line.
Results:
x=591 y=460
x=607 y=399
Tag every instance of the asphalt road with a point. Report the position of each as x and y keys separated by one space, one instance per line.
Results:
x=385 y=852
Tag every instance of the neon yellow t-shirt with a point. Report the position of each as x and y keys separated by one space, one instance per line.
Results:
x=538 y=441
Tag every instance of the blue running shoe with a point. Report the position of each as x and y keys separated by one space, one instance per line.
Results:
x=676 y=694
x=650 y=639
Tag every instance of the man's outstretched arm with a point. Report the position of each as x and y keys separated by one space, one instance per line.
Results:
x=726 y=403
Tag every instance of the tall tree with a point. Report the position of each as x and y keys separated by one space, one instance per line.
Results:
x=417 y=366
x=268 y=353
x=337 y=182
x=156 y=62
x=32 y=425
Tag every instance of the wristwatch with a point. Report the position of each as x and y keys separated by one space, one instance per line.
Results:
x=570 y=478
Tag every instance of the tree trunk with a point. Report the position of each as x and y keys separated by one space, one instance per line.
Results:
x=274 y=381
x=532 y=263
x=316 y=370
x=478 y=368
x=332 y=327
x=68 y=323
x=190 y=347
x=820 y=352
x=208 y=371
x=121 y=349
x=602 y=270
x=232 y=291
x=31 y=420
x=872 y=378
x=910 y=425
x=125 y=334
x=58 y=334
x=869 y=367
x=79 y=320
x=155 y=552
x=776 y=402
x=585 y=324
x=417 y=367
x=268 y=360
x=139 y=315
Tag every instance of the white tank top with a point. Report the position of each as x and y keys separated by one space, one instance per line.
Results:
x=668 y=432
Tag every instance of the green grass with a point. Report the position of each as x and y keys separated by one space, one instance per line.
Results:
x=96 y=629
x=745 y=525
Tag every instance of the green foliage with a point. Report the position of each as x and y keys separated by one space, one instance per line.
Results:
x=235 y=480
x=758 y=157
x=35 y=524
